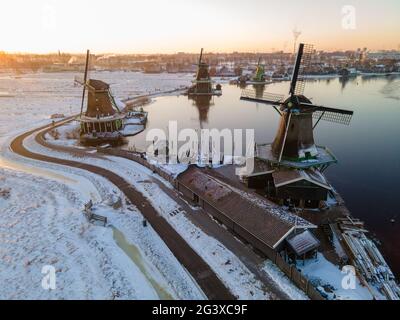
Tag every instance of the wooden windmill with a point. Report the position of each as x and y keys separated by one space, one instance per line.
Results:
x=102 y=120
x=294 y=141
x=260 y=73
x=295 y=165
x=203 y=85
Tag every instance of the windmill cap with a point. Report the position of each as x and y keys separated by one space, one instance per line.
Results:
x=98 y=84
x=299 y=98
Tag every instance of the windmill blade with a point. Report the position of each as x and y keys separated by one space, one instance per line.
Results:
x=335 y=115
x=85 y=80
x=303 y=61
x=296 y=69
x=201 y=56
x=266 y=97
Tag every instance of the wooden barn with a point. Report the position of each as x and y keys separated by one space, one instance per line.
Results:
x=248 y=215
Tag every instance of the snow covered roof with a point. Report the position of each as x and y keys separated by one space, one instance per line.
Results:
x=285 y=177
x=260 y=168
x=303 y=243
x=269 y=225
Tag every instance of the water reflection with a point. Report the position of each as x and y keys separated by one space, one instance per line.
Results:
x=259 y=90
x=346 y=80
x=203 y=104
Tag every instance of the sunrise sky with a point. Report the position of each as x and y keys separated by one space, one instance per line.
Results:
x=168 y=26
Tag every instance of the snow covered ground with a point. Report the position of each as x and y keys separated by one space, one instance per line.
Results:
x=324 y=274
x=40 y=227
x=42 y=223
x=66 y=135
x=32 y=98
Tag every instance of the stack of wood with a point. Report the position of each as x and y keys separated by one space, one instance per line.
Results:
x=367 y=258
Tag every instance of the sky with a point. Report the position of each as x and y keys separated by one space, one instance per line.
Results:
x=169 y=26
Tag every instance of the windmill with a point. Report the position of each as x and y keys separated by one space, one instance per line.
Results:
x=294 y=143
x=260 y=73
x=202 y=85
x=102 y=120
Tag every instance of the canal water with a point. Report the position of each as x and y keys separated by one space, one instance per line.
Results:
x=368 y=173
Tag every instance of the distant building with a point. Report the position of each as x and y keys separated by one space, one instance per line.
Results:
x=382 y=55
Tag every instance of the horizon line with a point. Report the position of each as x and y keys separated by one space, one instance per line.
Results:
x=180 y=52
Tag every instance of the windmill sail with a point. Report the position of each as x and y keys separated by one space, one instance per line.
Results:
x=201 y=56
x=266 y=97
x=303 y=61
x=332 y=116
x=85 y=80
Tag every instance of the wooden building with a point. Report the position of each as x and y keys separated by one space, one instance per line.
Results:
x=251 y=217
x=301 y=246
x=301 y=188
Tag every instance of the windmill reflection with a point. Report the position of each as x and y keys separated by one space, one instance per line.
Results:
x=259 y=90
x=203 y=104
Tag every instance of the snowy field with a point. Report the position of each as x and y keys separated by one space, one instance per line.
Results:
x=42 y=221
x=31 y=98
x=42 y=224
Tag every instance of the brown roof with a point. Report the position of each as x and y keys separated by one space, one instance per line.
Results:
x=98 y=84
x=99 y=103
x=269 y=224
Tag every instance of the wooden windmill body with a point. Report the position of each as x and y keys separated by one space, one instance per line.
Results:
x=259 y=76
x=102 y=121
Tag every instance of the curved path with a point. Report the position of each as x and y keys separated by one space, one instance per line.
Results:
x=211 y=285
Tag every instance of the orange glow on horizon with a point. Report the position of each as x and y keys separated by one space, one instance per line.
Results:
x=157 y=26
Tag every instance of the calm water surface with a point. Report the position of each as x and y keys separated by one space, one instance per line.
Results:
x=368 y=173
